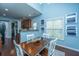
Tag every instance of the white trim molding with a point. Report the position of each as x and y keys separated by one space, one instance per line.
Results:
x=68 y=47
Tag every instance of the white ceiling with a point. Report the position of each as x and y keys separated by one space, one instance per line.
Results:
x=18 y=10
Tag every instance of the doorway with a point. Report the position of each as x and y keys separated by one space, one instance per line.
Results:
x=2 y=32
x=14 y=29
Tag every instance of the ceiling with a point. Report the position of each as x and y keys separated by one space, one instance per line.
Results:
x=17 y=10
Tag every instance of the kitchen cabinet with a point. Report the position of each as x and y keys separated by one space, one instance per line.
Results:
x=26 y=23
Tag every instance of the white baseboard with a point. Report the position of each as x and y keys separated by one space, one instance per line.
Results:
x=68 y=47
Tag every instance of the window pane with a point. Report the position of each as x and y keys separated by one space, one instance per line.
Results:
x=56 y=33
x=56 y=24
x=55 y=28
x=49 y=25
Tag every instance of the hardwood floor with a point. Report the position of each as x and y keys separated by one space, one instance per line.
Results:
x=8 y=49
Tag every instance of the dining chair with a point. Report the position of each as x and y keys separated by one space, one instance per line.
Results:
x=50 y=49
x=18 y=48
x=45 y=35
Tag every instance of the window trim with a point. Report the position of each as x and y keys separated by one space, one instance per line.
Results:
x=53 y=19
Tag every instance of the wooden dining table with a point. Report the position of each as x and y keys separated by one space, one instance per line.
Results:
x=34 y=48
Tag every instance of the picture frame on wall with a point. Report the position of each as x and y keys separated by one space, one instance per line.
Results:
x=42 y=22
x=71 y=18
x=71 y=30
x=71 y=24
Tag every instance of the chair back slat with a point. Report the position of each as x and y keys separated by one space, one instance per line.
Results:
x=52 y=46
x=18 y=48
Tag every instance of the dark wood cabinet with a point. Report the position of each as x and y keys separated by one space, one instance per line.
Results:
x=26 y=23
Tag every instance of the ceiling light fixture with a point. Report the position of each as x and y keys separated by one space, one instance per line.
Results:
x=29 y=15
x=4 y=14
x=6 y=9
x=48 y=3
x=40 y=3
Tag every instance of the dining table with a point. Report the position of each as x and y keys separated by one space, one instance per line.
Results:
x=33 y=48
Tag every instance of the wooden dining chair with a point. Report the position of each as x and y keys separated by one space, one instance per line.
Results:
x=18 y=48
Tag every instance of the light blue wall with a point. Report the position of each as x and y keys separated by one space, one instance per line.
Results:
x=60 y=10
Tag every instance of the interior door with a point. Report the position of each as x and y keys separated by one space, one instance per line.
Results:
x=2 y=32
x=13 y=33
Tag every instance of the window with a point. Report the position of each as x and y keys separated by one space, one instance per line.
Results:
x=55 y=28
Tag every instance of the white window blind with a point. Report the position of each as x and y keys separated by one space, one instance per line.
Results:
x=55 y=28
